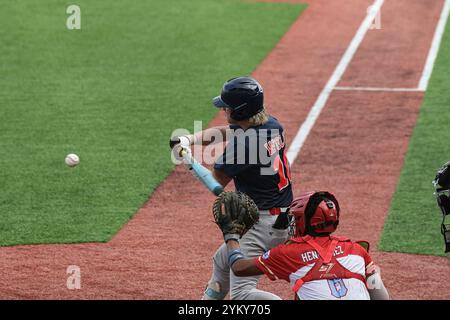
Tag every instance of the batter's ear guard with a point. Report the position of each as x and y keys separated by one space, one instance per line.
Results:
x=441 y=184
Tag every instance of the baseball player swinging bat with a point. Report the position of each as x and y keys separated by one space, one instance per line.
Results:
x=200 y=172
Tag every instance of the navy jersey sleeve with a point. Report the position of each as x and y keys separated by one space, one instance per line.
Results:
x=234 y=159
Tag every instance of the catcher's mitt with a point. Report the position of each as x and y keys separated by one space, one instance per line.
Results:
x=234 y=213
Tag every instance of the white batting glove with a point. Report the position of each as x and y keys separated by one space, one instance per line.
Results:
x=183 y=141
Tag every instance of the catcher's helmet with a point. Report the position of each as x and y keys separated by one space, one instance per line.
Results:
x=315 y=213
x=243 y=95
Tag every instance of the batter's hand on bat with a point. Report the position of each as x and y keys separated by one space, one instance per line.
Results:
x=184 y=141
x=177 y=143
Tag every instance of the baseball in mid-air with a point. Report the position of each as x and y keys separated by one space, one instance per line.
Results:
x=72 y=160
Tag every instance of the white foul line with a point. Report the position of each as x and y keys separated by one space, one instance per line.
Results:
x=315 y=111
x=376 y=89
x=432 y=54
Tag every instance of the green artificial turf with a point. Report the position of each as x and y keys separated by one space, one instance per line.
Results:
x=112 y=93
x=413 y=224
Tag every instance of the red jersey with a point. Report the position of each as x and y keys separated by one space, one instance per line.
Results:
x=319 y=267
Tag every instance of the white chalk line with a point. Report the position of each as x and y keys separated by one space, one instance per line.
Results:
x=376 y=89
x=318 y=106
x=432 y=54
x=331 y=85
x=429 y=64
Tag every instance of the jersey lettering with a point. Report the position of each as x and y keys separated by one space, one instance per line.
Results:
x=274 y=145
x=338 y=251
x=309 y=256
x=313 y=255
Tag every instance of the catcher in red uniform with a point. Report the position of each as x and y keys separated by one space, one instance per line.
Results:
x=317 y=264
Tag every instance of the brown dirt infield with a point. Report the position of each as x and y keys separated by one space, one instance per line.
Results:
x=356 y=150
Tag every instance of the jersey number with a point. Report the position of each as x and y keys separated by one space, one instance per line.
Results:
x=284 y=172
x=338 y=288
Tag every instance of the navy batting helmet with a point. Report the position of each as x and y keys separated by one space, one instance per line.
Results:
x=243 y=95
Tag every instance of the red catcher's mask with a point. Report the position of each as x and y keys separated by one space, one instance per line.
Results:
x=315 y=213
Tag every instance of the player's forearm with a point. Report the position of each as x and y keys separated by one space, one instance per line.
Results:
x=379 y=294
x=205 y=137
x=240 y=266
x=376 y=288
x=210 y=135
